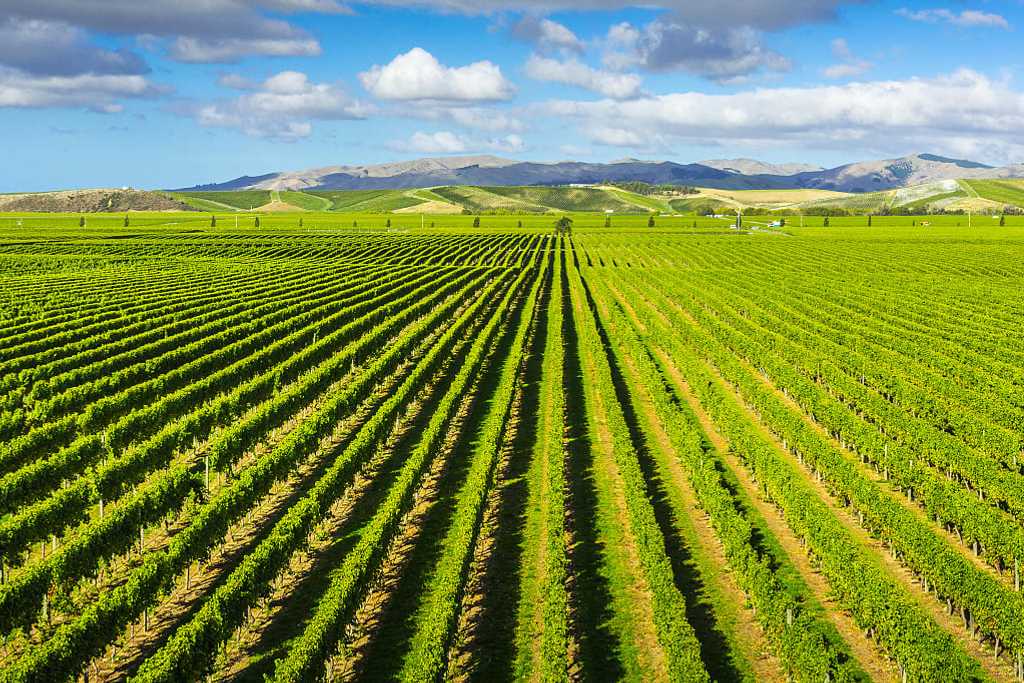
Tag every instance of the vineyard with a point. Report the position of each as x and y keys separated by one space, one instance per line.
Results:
x=679 y=452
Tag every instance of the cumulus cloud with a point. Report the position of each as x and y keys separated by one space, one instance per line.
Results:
x=965 y=18
x=849 y=65
x=198 y=30
x=964 y=106
x=417 y=75
x=58 y=49
x=574 y=72
x=485 y=119
x=447 y=142
x=669 y=44
x=489 y=119
x=47 y=63
x=236 y=82
x=762 y=14
x=283 y=107
x=229 y=50
x=97 y=92
x=546 y=34
x=443 y=142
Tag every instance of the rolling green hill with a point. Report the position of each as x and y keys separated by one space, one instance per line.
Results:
x=568 y=198
x=242 y=199
x=1009 y=192
x=949 y=195
x=306 y=201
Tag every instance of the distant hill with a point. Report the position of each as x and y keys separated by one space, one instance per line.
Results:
x=92 y=201
x=755 y=167
x=990 y=195
x=726 y=174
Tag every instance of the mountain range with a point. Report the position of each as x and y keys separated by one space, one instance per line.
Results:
x=732 y=174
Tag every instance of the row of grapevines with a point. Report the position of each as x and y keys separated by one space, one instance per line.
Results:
x=110 y=478
x=544 y=601
x=994 y=529
x=75 y=642
x=439 y=608
x=189 y=650
x=193 y=382
x=675 y=635
x=802 y=642
x=918 y=645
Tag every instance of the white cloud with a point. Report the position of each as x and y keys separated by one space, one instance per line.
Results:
x=964 y=106
x=509 y=144
x=846 y=69
x=98 y=92
x=764 y=14
x=574 y=72
x=236 y=82
x=282 y=107
x=849 y=64
x=481 y=118
x=617 y=137
x=443 y=142
x=417 y=75
x=547 y=34
x=59 y=49
x=965 y=18
x=447 y=142
x=198 y=31
x=670 y=44
x=228 y=50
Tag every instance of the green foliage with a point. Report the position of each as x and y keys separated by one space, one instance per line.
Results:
x=647 y=189
x=306 y=201
x=241 y=199
x=1008 y=192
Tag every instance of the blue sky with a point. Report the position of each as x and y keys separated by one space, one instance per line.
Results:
x=164 y=94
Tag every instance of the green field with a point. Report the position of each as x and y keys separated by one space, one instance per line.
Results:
x=977 y=196
x=568 y=198
x=242 y=199
x=305 y=201
x=1008 y=192
x=350 y=445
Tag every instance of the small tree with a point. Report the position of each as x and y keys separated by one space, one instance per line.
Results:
x=300 y=221
x=355 y=224
x=824 y=223
x=650 y=221
x=694 y=222
x=564 y=225
x=81 y=221
x=256 y=223
x=607 y=221
x=431 y=223
x=476 y=222
x=519 y=224
x=388 y=223
x=126 y=221
x=1002 y=220
x=869 y=220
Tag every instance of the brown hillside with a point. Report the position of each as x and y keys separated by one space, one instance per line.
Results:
x=92 y=201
